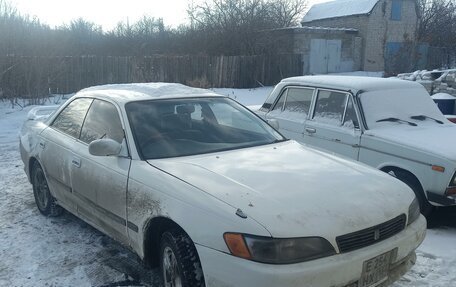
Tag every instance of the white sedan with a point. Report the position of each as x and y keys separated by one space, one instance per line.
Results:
x=195 y=183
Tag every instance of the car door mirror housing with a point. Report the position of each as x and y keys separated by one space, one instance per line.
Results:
x=105 y=147
x=274 y=123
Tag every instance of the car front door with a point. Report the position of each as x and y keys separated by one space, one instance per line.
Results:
x=334 y=125
x=291 y=111
x=56 y=144
x=100 y=182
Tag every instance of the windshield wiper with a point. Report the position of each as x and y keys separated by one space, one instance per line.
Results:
x=396 y=120
x=423 y=117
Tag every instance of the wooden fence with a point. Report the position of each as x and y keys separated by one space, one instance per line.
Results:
x=37 y=76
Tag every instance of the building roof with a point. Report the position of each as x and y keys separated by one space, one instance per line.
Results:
x=339 y=8
x=352 y=83
x=123 y=93
x=315 y=28
x=318 y=28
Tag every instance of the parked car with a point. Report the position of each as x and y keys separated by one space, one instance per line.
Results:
x=389 y=124
x=201 y=186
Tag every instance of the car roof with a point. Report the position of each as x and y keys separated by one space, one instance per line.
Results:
x=352 y=83
x=123 y=93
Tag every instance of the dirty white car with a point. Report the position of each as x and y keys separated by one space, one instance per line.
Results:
x=196 y=183
x=389 y=124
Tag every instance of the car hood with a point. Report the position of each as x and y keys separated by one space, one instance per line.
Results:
x=429 y=137
x=293 y=190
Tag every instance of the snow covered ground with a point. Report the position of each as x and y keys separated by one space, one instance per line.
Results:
x=65 y=251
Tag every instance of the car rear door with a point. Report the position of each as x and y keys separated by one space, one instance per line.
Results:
x=291 y=110
x=100 y=182
x=334 y=125
x=57 y=143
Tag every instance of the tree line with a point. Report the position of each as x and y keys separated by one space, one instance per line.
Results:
x=219 y=41
x=217 y=27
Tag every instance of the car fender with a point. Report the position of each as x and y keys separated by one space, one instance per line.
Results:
x=154 y=193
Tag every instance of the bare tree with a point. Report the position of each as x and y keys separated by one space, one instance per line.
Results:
x=437 y=23
x=231 y=26
x=437 y=26
x=288 y=12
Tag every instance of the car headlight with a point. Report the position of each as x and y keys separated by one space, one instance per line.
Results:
x=414 y=211
x=277 y=250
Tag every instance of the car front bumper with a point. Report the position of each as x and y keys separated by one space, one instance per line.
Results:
x=341 y=270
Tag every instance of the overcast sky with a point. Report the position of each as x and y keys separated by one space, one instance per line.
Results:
x=107 y=13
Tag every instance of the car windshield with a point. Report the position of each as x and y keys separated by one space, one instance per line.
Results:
x=401 y=104
x=190 y=126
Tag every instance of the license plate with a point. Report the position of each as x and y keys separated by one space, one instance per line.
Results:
x=375 y=270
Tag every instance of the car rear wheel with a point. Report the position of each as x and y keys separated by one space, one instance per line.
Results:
x=179 y=261
x=44 y=200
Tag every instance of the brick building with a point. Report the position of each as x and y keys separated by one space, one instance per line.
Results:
x=386 y=29
x=323 y=50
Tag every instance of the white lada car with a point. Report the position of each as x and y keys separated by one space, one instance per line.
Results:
x=199 y=185
x=390 y=124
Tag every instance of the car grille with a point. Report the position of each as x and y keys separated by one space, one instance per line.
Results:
x=369 y=236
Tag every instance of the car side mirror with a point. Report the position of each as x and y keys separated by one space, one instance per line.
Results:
x=274 y=123
x=105 y=147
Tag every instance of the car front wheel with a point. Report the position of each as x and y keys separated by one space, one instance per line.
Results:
x=179 y=261
x=425 y=207
x=43 y=198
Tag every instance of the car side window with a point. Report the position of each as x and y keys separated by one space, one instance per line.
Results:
x=279 y=105
x=330 y=107
x=70 y=119
x=350 y=119
x=298 y=100
x=102 y=121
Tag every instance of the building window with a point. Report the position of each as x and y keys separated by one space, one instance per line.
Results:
x=396 y=10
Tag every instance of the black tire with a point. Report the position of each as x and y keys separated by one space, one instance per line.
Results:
x=44 y=200
x=425 y=207
x=186 y=270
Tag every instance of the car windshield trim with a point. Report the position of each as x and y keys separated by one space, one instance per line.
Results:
x=239 y=137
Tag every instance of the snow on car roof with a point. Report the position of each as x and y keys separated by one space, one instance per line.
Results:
x=339 y=8
x=146 y=91
x=352 y=83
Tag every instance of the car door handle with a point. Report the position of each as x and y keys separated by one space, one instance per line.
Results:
x=311 y=130
x=42 y=145
x=76 y=162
